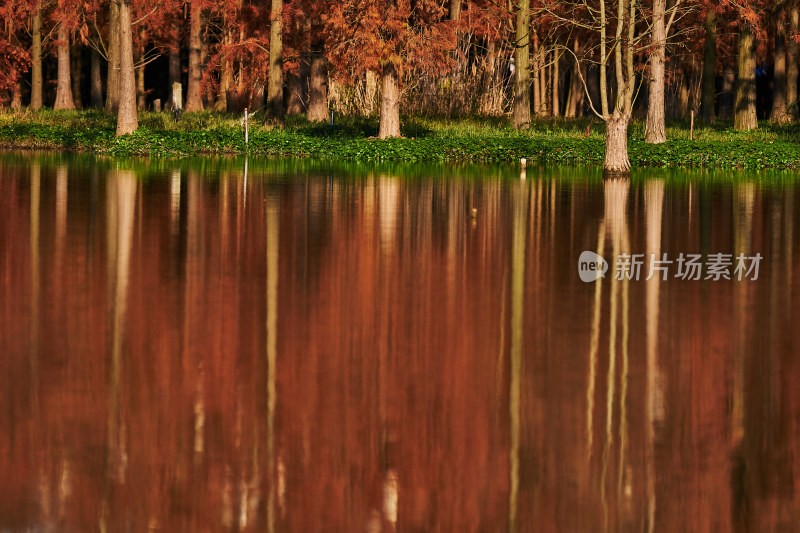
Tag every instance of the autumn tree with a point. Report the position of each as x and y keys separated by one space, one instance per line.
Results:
x=779 y=112
x=709 y=64
x=127 y=118
x=614 y=24
x=275 y=87
x=393 y=39
x=194 y=100
x=662 y=19
x=66 y=17
x=522 y=76
x=750 y=21
x=14 y=59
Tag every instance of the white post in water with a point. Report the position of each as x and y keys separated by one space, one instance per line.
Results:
x=246 y=130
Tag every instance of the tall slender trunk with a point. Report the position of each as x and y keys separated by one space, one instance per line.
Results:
x=140 y=87
x=64 y=84
x=75 y=67
x=318 y=89
x=390 y=103
x=36 y=59
x=537 y=70
x=275 y=87
x=710 y=66
x=112 y=77
x=655 y=129
x=127 y=119
x=791 y=59
x=522 y=81
x=728 y=92
x=745 y=109
x=194 y=102
x=97 y=80
x=778 y=113
x=542 y=81
x=556 y=110
x=576 y=91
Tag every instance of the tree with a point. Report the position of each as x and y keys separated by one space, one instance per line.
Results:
x=792 y=58
x=194 y=101
x=598 y=18
x=745 y=108
x=392 y=39
x=522 y=75
x=14 y=59
x=113 y=58
x=275 y=86
x=127 y=119
x=655 y=128
x=64 y=85
x=779 y=114
x=709 y=65
x=36 y=58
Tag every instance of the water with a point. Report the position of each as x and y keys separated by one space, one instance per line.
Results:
x=296 y=346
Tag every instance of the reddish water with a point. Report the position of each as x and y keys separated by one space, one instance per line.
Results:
x=186 y=348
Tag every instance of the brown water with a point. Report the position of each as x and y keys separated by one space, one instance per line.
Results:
x=307 y=347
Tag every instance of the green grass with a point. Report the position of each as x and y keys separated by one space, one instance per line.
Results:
x=485 y=140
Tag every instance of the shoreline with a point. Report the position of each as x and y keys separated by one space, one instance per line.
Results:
x=549 y=141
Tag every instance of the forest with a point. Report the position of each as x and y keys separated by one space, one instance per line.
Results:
x=518 y=62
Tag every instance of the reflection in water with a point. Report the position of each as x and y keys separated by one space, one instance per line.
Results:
x=653 y=207
x=277 y=346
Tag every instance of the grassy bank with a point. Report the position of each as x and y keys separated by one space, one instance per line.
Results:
x=464 y=140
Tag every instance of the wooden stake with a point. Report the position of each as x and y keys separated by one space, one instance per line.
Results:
x=691 y=128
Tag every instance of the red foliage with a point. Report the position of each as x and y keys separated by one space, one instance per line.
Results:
x=367 y=35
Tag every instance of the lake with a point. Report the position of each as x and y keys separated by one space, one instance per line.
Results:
x=222 y=344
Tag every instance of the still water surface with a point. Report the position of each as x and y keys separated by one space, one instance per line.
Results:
x=216 y=345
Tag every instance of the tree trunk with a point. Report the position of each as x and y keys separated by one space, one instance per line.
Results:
x=140 y=90
x=616 y=160
x=791 y=60
x=294 y=102
x=710 y=66
x=537 y=69
x=779 y=114
x=371 y=91
x=97 y=81
x=75 y=67
x=522 y=80
x=224 y=102
x=390 y=103
x=141 y=94
x=575 y=97
x=491 y=99
x=194 y=101
x=556 y=78
x=64 y=84
x=455 y=9
x=275 y=87
x=542 y=81
x=16 y=97
x=318 y=89
x=36 y=59
x=175 y=61
x=655 y=128
x=112 y=77
x=127 y=119
x=745 y=108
